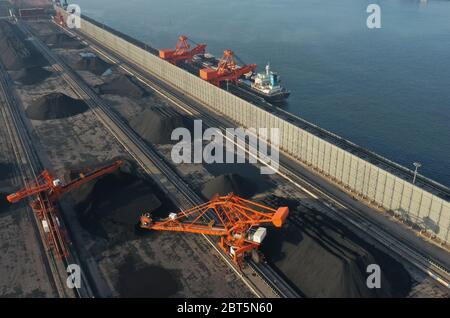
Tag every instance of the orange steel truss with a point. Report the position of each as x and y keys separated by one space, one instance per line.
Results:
x=182 y=52
x=230 y=217
x=48 y=190
x=227 y=70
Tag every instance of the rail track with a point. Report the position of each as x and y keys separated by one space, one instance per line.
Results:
x=329 y=201
x=148 y=158
x=29 y=167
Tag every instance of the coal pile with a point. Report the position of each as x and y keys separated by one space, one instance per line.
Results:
x=110 y=207
x=6 y=170
x=225 y=184
x=15 y=51
x=4 y=204
x=146 y=281
x=32 y=75
x=122 y=85
x=324 y=259
x=260 y=183
x=157 y=128
x=94 y=65
x=55 y=106
x=63 y=41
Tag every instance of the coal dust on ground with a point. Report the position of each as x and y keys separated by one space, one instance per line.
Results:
x=149 y=281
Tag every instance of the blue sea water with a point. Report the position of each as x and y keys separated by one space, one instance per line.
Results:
x=385 y=89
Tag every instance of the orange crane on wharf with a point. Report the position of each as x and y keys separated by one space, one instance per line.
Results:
x=182 y=52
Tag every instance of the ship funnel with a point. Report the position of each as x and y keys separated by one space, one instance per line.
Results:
x=268 y=68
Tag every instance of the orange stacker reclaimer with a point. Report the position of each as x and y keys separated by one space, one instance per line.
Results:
x=47 y=191
x=235 y=220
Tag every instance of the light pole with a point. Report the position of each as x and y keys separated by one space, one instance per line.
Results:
x=417 y=165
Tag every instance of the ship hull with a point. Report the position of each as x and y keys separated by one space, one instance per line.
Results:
x=272 y=98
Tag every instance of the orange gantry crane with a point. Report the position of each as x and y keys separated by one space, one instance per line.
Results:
x=237 y=221
x=48 y=190
x=227 y=70
x=182 y=52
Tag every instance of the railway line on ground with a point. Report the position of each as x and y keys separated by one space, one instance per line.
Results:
x=29 y=167
x=262 y=280
x=332 y=203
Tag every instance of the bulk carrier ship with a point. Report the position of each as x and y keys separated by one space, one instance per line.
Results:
x=265 y=84
x=225 y=71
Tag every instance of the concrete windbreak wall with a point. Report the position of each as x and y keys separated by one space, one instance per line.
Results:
x=359 y=176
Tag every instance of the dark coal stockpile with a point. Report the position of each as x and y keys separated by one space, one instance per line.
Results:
x=242 y=178
x=149 y=281
x=94 y=65
x=55 y=106
x=110 y=207
x=6 y=170
x=32 y=75
x=324 y=259
x=4 y=204
x=63 y=41
x=225 y=184
x=15 y=51
x=122 y=85
x=157 y=128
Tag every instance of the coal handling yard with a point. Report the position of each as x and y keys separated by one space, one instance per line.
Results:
x=86 y=135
